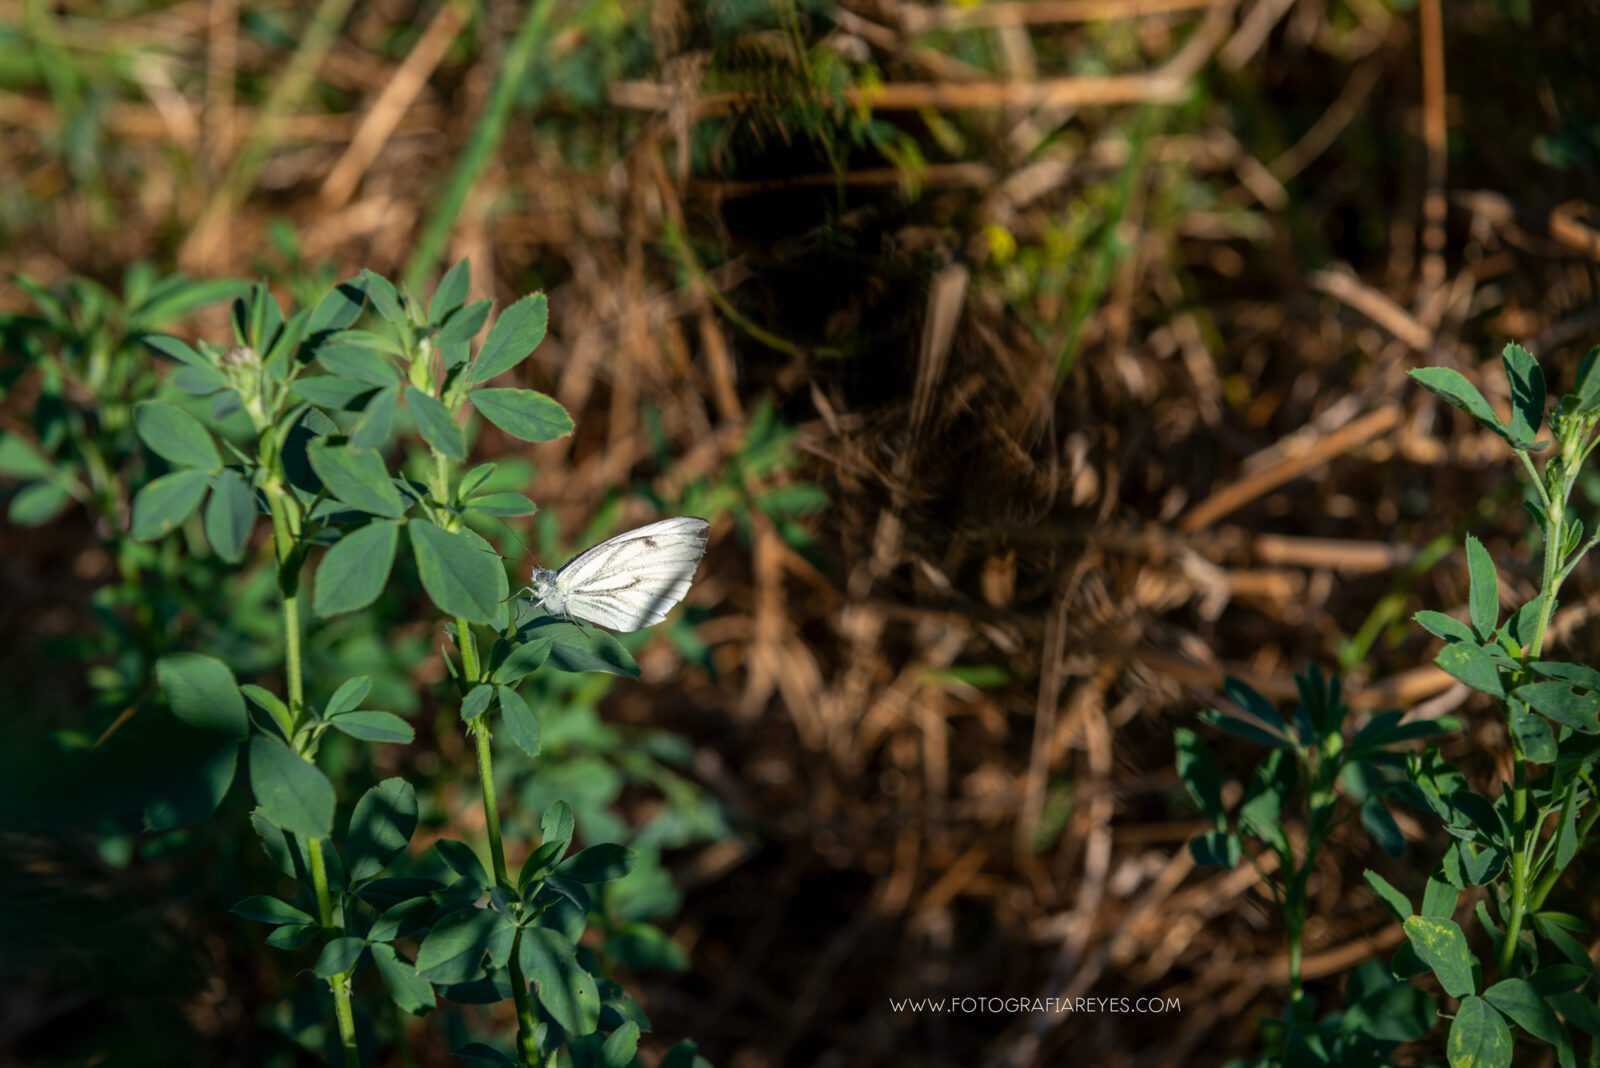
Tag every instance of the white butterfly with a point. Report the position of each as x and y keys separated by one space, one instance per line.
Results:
x=628 y=582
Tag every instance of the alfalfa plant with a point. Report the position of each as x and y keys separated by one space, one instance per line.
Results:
x=1318 y=771
x=1527 y=966
x=323 y=399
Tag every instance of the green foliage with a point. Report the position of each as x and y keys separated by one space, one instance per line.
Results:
x=296 y=419
x=1315 y=767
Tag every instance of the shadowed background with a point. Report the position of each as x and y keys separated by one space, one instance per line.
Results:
x=1043 y=360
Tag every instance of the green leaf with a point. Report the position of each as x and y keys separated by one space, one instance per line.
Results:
x=520 y=723
x=406 y=989
x=199 y=381
x=330 y=391
x=453 y=951
x=1385 y=729
x=463 y=324
x=1199 y=773
x=1567 y=838
x=349 y=695
x=1587 y=385
x=1479 y=1037
x=371 y=725
x=179 y=350
x=1534 y=736
x=37 y=504
x=265 y=909
x=463 y=861
x=1380 y=824
x=385 y=300
x=565 y=990
x=1518 y=999
x=165 y=503
x=435 y=425
x=451 y=292
x=381 y=825
x=1390 y=894
x=230 y=514
x=503 y=505
x=1527 y=391
x=357 y=477
x=1439 y=899
x=1243 y=729
x=1218 y=847
x=599 y=863
x=1442 y=626
x=377 y=420
x=474 y=479
x=269 y=703
x=515 y=334
x=1484 y=596
x=1562 y=703
x=1558 y=930
x=1577 y=674
x=411 y=916
x=684 y=1055
x=522 y=661
x=578 y=649
x=292 y=793
x=558 y=823
x=202 y=692
x=1577 y=1009
x=340 y=307
x=338 y=956
x=620 y=1046
x=176 y=296
x=523 y=413
x=18 y=459
x=176 y=436
x=461 y=572
x=1470 y=664
x=293 y=936
x=1443 y=947
x=356 y=568
x=1453 y=387
x=284 y=850
x=476 y=703
x=540 y=863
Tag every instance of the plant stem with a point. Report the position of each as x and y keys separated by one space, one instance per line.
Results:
x=1519 y=867
x=1549 y=586
x=285 y=528
x=338 y=984
x=491 y=806
x=527 y=1044
x=1547 y=882
x=283 y=537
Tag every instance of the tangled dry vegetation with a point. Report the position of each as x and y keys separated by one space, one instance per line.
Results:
x=1097 y=344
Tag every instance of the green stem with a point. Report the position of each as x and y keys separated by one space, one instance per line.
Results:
x=289 y=560
x=481 y=148
x=285 y=531
x=527 y=1042
x=339 y=984
x=1547 y=882
x=1295 y=919
x=1519 y=867
x=1521 y=833
x=491 y=806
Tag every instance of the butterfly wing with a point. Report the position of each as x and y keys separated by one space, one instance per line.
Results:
x=633 y=580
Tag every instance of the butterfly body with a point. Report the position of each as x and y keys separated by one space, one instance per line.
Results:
x=628 y=582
